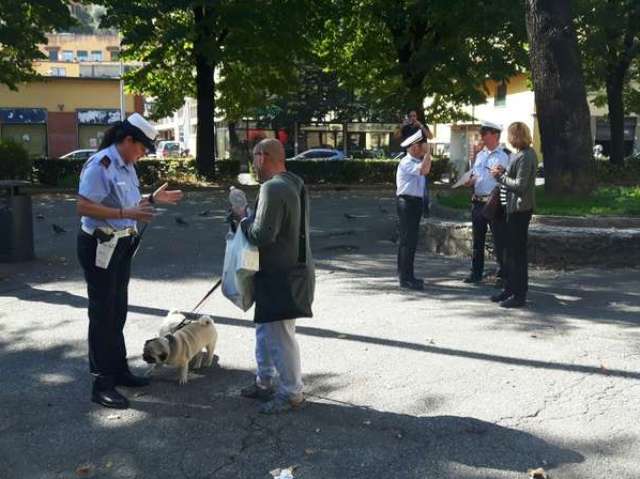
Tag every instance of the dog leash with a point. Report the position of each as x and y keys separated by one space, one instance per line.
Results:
x=213 y=288
x=187 y=320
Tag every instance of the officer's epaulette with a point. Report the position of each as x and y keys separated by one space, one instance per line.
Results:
x=105 y=161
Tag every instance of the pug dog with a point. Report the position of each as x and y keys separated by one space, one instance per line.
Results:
x=180 y=347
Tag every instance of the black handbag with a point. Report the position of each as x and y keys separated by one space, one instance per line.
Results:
x=493 y=209
x=287 y=294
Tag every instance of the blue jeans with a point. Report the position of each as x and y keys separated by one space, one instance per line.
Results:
x=278 y=354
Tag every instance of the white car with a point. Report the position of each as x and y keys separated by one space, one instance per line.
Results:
x=319 y=154
x=168 y=148
x=79 y=154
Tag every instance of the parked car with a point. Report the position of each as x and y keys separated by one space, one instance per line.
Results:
x=79 y=154
x=166 y=149
x=319 y=154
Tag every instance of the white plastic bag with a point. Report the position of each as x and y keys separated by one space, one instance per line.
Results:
x=241 y=261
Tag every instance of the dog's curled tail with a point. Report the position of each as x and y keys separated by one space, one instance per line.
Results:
x=206 y=321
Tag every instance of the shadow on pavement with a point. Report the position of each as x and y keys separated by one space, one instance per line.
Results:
x=205 y=430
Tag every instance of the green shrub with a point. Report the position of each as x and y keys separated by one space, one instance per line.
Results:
x=629 y=174
x=52 y=172
x=440 y=166
x=152 y=172
x=227 y=168
x=15 y=163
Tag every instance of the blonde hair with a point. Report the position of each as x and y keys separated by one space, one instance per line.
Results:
x=519 y=135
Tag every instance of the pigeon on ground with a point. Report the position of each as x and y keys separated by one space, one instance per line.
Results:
x=58 y=229
x=181 y=222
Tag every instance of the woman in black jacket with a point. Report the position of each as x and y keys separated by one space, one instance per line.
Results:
x=519 y=181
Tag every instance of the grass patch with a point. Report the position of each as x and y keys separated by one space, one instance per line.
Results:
x=605 y=201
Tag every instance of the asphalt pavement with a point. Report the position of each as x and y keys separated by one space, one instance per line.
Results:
x=433 y=384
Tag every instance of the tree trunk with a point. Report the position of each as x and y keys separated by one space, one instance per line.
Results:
x=205 y=92
x=561 y=98
x=616 y=120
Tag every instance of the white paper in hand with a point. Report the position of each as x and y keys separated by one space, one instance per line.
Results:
x=241 y=261
x=463 y=179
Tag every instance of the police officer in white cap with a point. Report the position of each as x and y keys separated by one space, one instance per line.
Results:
x=483 y=184
x=410 y=183
x=111 y=206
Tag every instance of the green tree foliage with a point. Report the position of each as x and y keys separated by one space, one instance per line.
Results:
x=401 y=52
x=23 y=24
x=609 y=39
x=249 y=45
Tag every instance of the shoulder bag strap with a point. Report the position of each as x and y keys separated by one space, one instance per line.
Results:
x=302 y=239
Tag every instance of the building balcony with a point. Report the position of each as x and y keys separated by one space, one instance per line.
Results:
x=83 y=69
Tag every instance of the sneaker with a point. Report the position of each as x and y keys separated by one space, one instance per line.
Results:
x=504 y=295
x=279 y=406
x=256 y=392
x=514 y=302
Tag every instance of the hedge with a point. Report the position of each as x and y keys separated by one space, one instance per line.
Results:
x=15 y=163
x=357 y=171
x=627 y=174
x=65 y=173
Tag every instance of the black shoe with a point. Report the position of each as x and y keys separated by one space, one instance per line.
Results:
x=104 y=393
x=497 y=298
x=514 y=302
x=472 y=279
x=129 y=380
x=414 y=284
x=255 y=392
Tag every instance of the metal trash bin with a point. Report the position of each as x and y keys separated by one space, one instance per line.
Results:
x=16 y=222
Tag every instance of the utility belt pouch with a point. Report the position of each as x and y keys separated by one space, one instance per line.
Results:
x=106 y=246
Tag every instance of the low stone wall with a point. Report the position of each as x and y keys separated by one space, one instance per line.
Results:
x=552 y=246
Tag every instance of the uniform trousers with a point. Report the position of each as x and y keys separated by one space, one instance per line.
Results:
x=409 y=213
x=108 y=302
x=278 y=355
x=517 y=268
x=479 y=228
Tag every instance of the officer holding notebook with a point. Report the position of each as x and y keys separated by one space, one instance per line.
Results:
x=111 y=206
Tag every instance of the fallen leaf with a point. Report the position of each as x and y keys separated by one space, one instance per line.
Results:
x=84 y=470
x=309 y=451
x=109 y=465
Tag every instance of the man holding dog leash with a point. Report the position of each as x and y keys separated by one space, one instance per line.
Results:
x=285 y=283
x=111 y=206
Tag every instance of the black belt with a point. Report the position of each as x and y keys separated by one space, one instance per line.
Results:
x=410 y=197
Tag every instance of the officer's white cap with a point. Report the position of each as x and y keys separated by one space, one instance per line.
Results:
x=490 y=124
x=149 y=133
x=417 y=137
